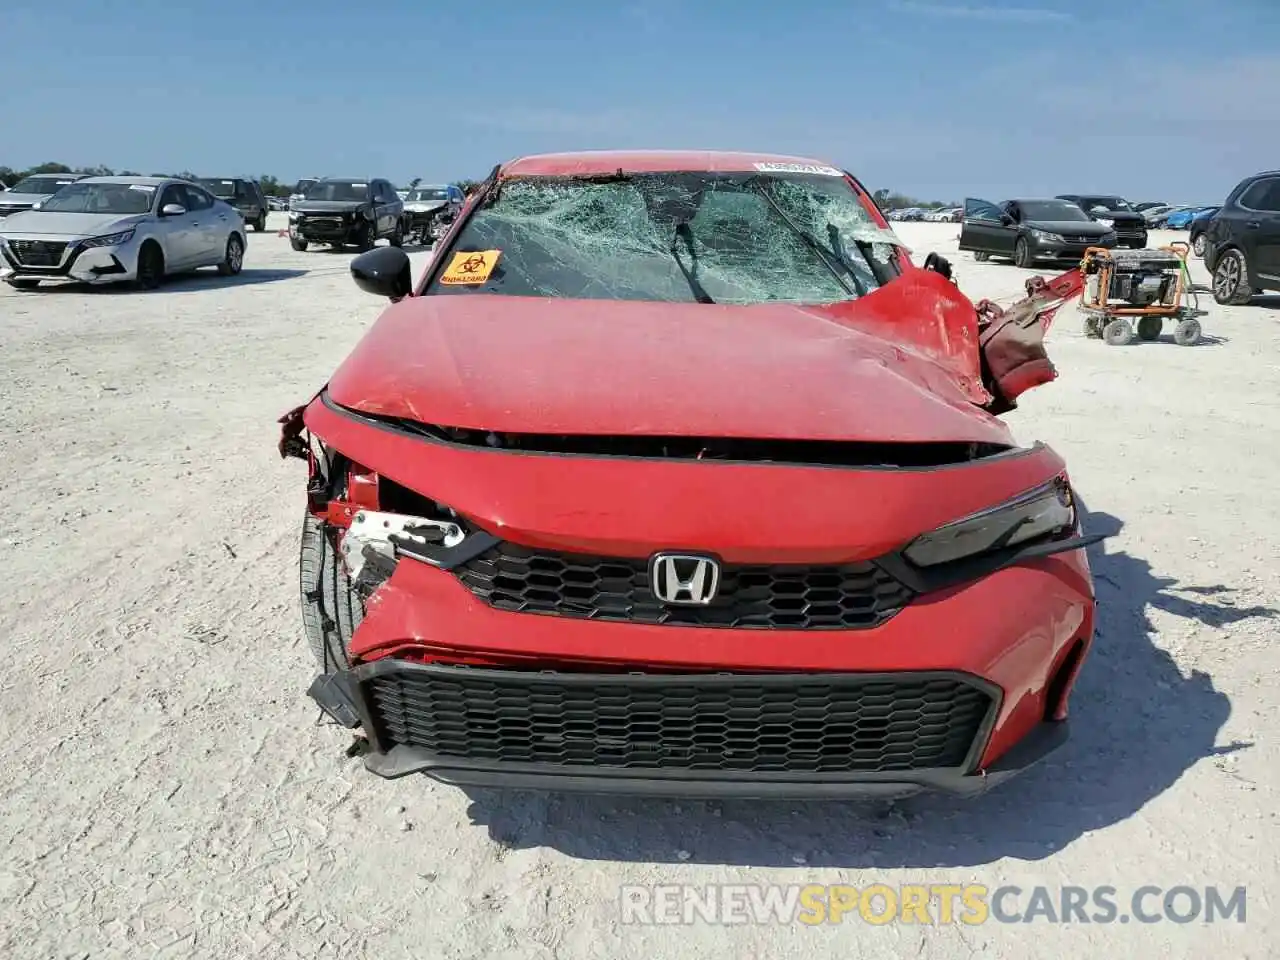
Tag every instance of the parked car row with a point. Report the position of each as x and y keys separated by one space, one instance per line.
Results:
x=340 y=211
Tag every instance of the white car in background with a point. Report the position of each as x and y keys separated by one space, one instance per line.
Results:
x=112 y=229
x=300 y=189
x=29 y=191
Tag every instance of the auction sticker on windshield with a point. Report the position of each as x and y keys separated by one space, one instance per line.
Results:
x=470 y=266
x=142 y=187
x=799 y=168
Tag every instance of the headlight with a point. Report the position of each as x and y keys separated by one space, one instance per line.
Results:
x=294 y=216
x=111 y=239
x=1106 y=223
x=1046 y=237
x=1044 y=513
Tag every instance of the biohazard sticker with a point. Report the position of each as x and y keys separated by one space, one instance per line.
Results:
x=799 y=168
x=473 y=266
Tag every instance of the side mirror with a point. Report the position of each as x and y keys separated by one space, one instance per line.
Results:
x=37 y=205
x=939 y=265
x=1006 y=219
x=383 y=271
x=172 y=210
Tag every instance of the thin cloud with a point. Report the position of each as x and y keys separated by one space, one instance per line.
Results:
x=990 y=13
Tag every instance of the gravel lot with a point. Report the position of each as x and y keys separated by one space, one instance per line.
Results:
x=167 y=789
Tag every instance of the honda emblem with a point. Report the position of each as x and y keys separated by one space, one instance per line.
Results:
x=683 y=580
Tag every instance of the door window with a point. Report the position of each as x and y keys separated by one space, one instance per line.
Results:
x=195 y=198
x=1263 y=195
x=173 y=194
x=982 y=210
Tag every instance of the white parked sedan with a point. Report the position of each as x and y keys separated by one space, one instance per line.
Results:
x=112 y=229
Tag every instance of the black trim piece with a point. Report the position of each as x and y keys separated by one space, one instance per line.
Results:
x=446 y=558
x=380 y=423
x=337 y=695
x=924 y=580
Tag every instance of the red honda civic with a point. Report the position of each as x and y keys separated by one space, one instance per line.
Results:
x=673 y=474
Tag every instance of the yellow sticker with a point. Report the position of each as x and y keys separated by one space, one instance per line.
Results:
x=471 y=266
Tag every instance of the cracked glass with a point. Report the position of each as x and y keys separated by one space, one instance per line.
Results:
x=738 y=238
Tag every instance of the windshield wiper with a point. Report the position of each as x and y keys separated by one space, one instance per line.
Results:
x=823 y=254
x=685 y=232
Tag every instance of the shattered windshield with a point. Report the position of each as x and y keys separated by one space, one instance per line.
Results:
x=736 y=238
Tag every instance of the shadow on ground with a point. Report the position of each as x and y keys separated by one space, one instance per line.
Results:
x=1137 y=726
x=178 y=283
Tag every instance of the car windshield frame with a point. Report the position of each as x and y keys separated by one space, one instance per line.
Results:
x=1048 y=211
x=689 y=236
x=51 y=179
x=130 y=199
x=415 y=195
x=331 y=187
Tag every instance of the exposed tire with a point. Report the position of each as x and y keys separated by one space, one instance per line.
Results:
x=299 y=245
x=1197 y=245
x=261 y=223
x=1093 y=328
x=331 y=611
x=150 y=266
x=368 y=238
x=1022 y=256
x=233 y=259
x=1118 y=333
x=397 y=238
x=1149 y=328
x=981 y=256
x=1231 y=279
x=24 y=283
x=1187 y=332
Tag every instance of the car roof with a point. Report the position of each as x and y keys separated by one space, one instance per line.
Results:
x=589 y=162
x=1037 y=200
x=140 y=181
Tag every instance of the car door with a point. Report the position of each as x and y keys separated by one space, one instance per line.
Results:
x=211 y=222
x=389 y=207
x=1260 y=228
x=984 y=228
x=177 y=233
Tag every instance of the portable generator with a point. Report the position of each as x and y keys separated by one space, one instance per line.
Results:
x=1125 y=289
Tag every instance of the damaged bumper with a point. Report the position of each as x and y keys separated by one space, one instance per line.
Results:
x=76 y=260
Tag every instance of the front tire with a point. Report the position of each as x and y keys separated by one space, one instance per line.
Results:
x=298 y=245
x=1022 y=256
x=369 y=238
x=331 y=610
x=397 y=238
x=260 y=224
x=233 y=259
x=981 y=256
x=1197 y=246
x=1231 y=279
x=150 y=266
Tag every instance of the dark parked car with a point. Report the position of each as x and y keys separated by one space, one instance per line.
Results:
x=342 y=211
x=1242 y=241
x=1028 y=230
x=1200 y=224
x=1115 y=212
x=243 y=194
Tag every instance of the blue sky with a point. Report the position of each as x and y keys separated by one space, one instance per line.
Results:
x=1157 y=99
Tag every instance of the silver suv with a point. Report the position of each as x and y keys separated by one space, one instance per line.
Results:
x=29 y=191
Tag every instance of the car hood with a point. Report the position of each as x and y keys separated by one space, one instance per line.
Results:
x=328 y=206
x=425 y=206
x=9 y=199
x=42 y=223
x=898 y=365
x=1076 y=228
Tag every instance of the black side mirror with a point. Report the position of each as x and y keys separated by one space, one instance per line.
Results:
x=384 y=271
x=939 y=265
x=1007 y=219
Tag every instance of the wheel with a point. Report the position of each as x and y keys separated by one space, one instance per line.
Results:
x=369 y=237
x=1197 y=245
x=150 y=266
x=1093 y=328
x=1118 y=332
x=24 y=283
x=1022 y=256
x=1231 y=279
x=1187 y=332
x=261 y=223
x=1149 y=328
x=331 y=610
x=981 y=256
x=233 y=259
x=397 y=238
x=299 y=245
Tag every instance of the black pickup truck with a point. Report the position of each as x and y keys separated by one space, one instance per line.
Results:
x=1116 y=213
x=342 y=211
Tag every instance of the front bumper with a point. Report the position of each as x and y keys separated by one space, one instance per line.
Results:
x=334 y=229
x=70 y=261
x=731 y=735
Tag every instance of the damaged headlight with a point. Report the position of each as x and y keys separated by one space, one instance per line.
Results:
x=373 y=543
x=1046 y=512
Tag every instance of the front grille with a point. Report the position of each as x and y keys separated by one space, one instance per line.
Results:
x=37 y=253
x=824 y=723
x=848 y=596
x=324 y=224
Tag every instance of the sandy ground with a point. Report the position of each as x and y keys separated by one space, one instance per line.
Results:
x=167 y=790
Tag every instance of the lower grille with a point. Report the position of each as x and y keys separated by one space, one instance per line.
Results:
x=37 y=253
x=821 y=723
x=848 y=596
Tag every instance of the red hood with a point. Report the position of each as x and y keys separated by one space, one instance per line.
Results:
x=900 y=365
